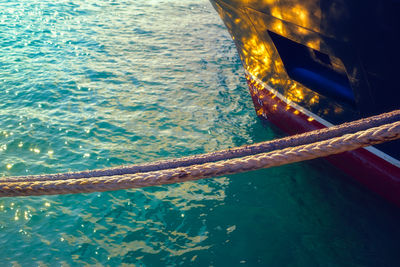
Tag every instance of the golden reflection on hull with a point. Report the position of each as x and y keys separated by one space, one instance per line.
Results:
x=248 y=28
x=249 y=22
x=359 y=39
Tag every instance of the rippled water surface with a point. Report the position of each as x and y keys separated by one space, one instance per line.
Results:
x=94 y=84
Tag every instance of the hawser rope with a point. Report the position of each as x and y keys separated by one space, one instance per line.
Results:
x=320 y=143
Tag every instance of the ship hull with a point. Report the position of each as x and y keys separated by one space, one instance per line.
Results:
x=304 y=74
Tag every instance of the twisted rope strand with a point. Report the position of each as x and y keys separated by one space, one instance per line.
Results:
x=312 y=150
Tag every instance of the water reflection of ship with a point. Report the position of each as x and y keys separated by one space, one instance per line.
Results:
x=315 y=63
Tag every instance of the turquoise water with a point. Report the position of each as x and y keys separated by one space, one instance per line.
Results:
x=94 y=84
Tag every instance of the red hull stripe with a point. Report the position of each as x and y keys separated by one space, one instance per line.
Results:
x=371 y=167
